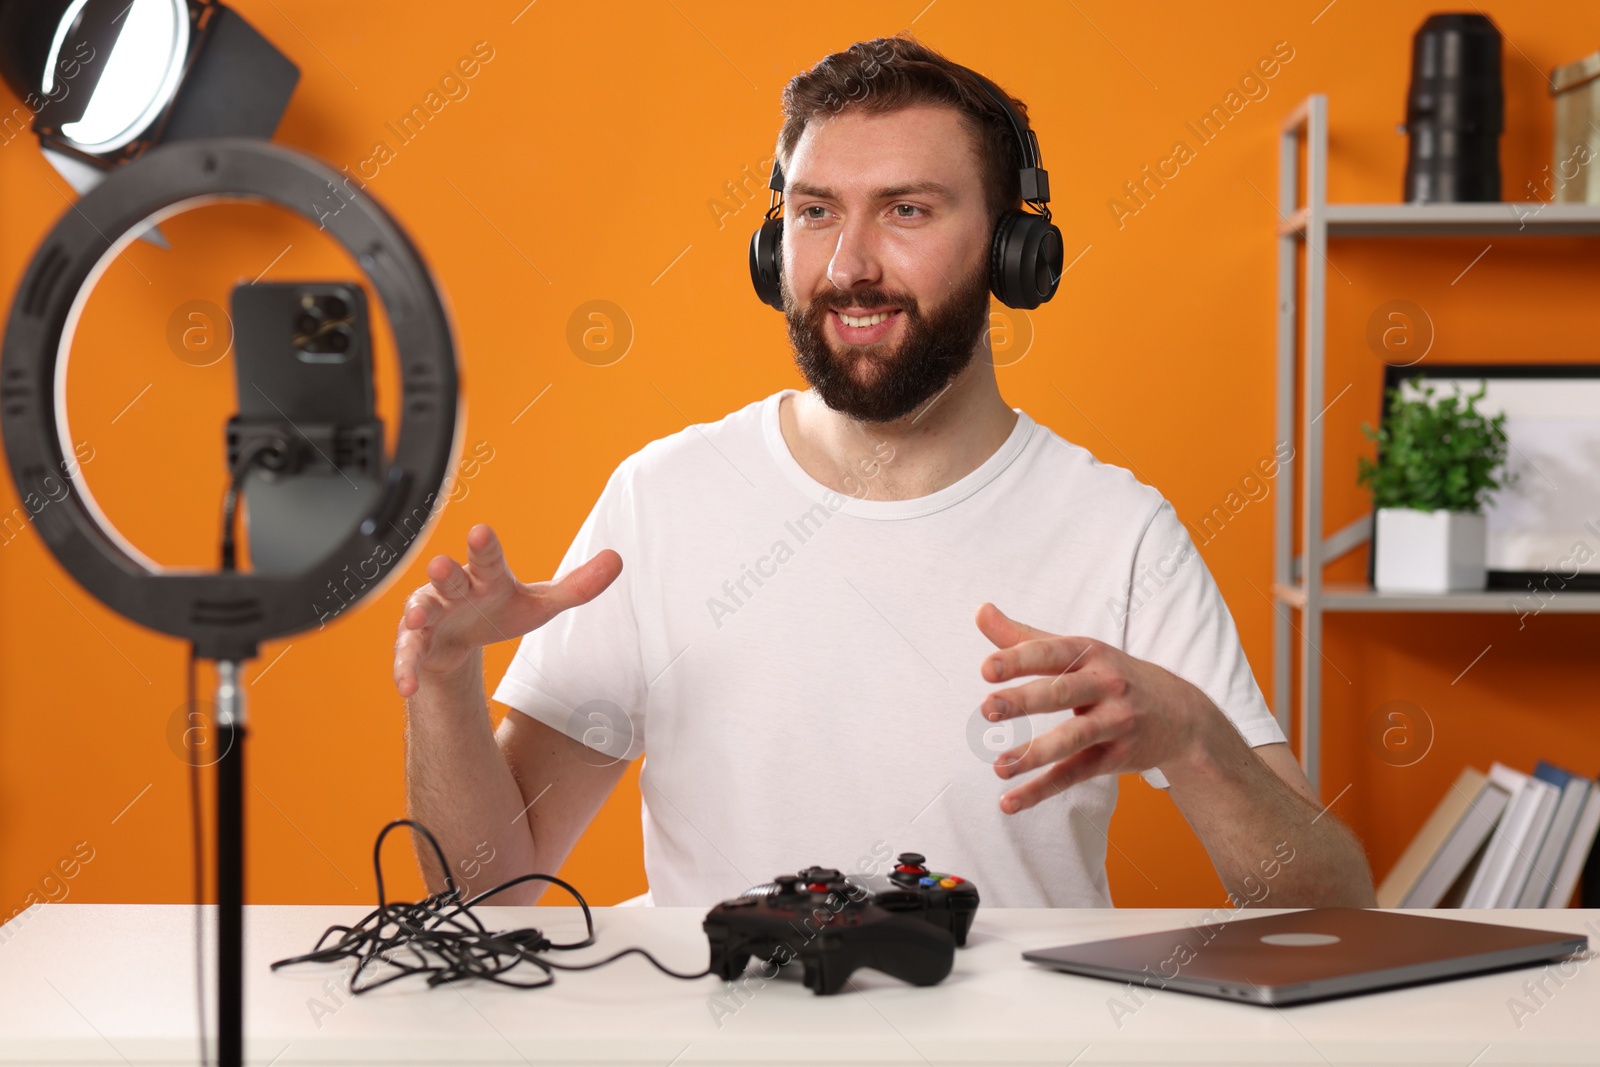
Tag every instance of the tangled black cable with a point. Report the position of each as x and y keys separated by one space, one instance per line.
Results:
x=442 y=938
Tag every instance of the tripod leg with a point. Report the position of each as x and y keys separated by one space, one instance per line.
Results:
x=230 y=868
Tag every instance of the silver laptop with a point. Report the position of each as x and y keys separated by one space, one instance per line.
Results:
x=1309 y=955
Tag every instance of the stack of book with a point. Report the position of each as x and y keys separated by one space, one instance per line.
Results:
x=1501 y=840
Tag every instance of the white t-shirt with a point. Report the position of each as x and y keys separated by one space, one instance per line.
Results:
x=801 y=668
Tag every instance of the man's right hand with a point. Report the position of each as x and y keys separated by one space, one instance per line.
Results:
x=461 y=609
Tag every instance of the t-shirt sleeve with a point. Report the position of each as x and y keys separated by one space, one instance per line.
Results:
x=1177 y=619
x=582 y=673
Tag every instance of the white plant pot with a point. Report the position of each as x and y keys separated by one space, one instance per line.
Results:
x=1430 y=551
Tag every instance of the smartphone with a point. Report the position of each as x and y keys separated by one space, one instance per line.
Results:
x=303 y=370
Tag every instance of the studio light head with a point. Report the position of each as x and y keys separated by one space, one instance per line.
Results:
x=106 y=80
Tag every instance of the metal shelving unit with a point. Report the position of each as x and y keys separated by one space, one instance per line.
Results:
x=1361 y=598
x=1297 y=579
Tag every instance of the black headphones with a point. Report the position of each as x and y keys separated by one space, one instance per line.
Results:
x=1024 y=260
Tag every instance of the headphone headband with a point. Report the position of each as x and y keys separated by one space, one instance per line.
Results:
x=1035 y=180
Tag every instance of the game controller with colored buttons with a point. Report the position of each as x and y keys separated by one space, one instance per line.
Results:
x=830 y=927
x=946 y=900
x=906 y=925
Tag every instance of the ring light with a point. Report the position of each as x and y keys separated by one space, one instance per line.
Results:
x=225 y=615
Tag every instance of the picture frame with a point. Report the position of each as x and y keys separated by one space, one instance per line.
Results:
x=1544 y=528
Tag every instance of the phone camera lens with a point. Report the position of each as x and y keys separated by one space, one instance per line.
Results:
x=334 y=307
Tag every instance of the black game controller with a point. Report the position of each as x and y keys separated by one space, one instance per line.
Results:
x=946 y=900
x=833 y=925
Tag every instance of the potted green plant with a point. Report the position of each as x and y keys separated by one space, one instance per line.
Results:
x=1439 y=462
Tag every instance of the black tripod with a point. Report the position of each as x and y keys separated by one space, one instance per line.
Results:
x=228 y=867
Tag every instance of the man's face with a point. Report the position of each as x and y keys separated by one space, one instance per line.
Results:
x=885 y=258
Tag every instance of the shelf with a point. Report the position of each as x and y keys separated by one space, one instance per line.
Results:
x=1300 y=544
x=1361 y=598
x=1533 y=218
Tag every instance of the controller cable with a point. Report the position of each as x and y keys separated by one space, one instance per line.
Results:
x=442 y=938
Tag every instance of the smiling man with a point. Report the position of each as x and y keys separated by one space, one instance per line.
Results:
x=799 y=614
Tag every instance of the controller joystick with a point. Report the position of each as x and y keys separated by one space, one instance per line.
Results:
x=946 y=900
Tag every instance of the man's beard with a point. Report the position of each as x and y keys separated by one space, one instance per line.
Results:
x=933 y=351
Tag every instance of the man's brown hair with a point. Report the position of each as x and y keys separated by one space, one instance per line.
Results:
x=889 y=73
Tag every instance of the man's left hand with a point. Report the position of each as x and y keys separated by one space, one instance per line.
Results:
x=1131 y=714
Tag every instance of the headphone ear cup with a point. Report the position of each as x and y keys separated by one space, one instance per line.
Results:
x=1025 y=260
x=766 y=262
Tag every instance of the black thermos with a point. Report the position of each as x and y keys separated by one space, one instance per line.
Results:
x=1455 y=110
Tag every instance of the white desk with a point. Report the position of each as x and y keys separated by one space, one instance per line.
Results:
x=113 y=984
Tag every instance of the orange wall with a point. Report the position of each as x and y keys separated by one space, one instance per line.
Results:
x=584 y=164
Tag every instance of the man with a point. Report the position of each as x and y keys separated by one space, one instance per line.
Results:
x=800 y=612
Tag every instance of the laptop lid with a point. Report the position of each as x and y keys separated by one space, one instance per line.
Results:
x=1309 y=955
